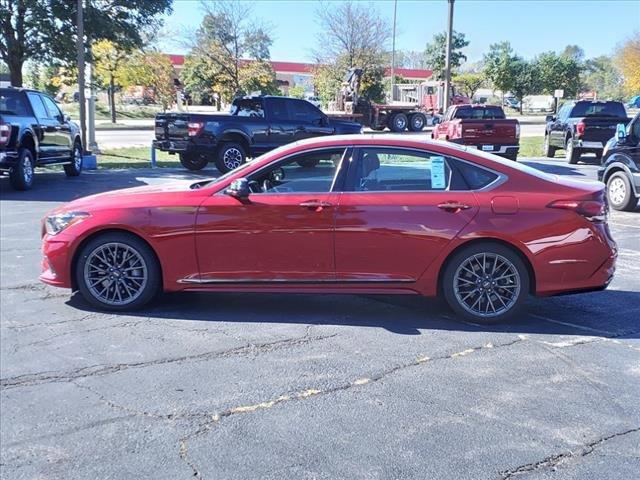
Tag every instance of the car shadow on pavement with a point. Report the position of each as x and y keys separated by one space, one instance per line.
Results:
x=585 y=314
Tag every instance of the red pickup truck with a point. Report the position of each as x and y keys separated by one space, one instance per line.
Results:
x=484 y=127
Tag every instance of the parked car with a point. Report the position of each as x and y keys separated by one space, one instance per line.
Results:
x=634 y=102
x=255 y=126
x=582 y=127
x=620 y=168
x=34 y=133
x=395 y=215
x=484 y=127
x=511 y=102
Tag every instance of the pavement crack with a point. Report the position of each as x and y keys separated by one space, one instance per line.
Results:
x=553 y=461
x=106 y=369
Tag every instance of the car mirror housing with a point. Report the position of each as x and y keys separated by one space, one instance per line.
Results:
x=550 y=118
x=621 y=132
x=239 y=189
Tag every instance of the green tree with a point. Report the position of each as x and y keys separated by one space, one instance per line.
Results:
x=526 y=80
x=558 y=72
x=469 y=82
x=153 y=70
x=258 y=76
x=602 y=76
x=45 y=30
x=297 y=91
x=500 y=66
x=108 y=58
x=436 y=52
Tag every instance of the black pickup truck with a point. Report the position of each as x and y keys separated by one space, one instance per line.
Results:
x=33 y=133
x=582 y=127
x=256 y=125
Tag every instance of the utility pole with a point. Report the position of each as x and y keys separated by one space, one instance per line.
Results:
x=447 y=65
x=81 y=99
x=393 y=51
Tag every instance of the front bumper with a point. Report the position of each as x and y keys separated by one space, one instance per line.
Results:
x=56 y=261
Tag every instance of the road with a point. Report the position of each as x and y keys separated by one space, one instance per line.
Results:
x=240 y=386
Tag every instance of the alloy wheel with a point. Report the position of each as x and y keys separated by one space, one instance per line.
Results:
x=487 y=284
x=115 y=273
x=77 y=157
x=27 y=169
x=232 y=158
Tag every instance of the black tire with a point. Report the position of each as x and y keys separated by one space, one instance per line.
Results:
x=572 y=153
x=378 y=128
x=512 y=156
x=492 y=251
x=417 y=121
x=230 y=156
x=194 y=161
x=22 y=174
x=308 y=163
x=620 y=193
x=74 y=168
x=547 y=149
x=398 y=122
x=149 y=289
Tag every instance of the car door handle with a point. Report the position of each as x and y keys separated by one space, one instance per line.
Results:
x=316 y=205
x=453 y=207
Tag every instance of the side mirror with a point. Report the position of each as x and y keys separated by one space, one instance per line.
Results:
x=66 y=118
x=621 y=132
x=239 y=189
x=550 y=118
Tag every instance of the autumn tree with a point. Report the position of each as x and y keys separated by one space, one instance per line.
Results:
x=436 y=52
x=153 y=70
x=628 y=61
x=469 y=82
x=108 y=59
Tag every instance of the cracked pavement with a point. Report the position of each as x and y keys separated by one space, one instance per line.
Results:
x=275 y=386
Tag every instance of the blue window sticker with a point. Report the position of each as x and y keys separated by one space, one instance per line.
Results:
x=437 y=173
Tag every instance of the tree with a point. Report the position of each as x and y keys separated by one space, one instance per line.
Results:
x=153 y=70
x=573 y=52
x=602 y=76
x=226 y=37
x=469 y=83
x=354 y=35
x=45 y=30
x=500 y=65
x=628 y=61
x=297 y=91
x=108 y=59
x=558 y=72
x=526 y=79
x=258 y=76
x=436 y=52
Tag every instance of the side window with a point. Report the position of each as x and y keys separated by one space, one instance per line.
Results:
x=636 y=130
x=475 y=177
x=305 y=172
x=247 y=107
x=302 y=111
x=278 y=109
x=38 y=107
x=399 y=170
x=54 y=111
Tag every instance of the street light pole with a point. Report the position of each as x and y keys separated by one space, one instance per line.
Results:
x=393 y=50
x=80 y=50
x=447 y=67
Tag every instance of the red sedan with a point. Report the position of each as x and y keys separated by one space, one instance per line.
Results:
x=353 y=214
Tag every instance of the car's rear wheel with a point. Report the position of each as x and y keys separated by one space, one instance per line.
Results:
x=572 y=153
x=230 y=156
x=417 y=121
x=74 y=168
x=547 y=149
x=485 y=283
x=21 y=175
x=620 y=193
x=194 y=161
x=398 y=122
x=117 y=271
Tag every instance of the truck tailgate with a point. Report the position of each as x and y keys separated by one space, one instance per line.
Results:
x=600 y=129
x=172 y=126
x=500 y=132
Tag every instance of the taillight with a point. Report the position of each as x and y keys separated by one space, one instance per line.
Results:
x=194 y=128
x=592 y=210
x=5 y=133
x=517 y=130
x=580 y=127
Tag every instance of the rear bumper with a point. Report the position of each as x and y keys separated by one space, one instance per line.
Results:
x=496 y=149
x=8 y=159
x=592 y=146
x=181 y=146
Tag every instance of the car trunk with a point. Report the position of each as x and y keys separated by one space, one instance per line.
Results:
x=174 y=126
x=499 y=132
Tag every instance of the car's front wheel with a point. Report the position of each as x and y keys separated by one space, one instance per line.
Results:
x=117 y=271
x=619 y=192
x=230 y=156
x=485 y=283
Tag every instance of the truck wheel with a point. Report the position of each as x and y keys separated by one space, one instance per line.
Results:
x=74 y=168
x=572 y=154
x=230 y=156
x=398 y=122
x=194 y=161
x=417 y=121
x=547 y=149
x=620 y=194
x=21 y=175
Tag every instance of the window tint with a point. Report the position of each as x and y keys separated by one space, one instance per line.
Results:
x=482 y=113
x=278 y=109
x=305 y=172
x=13 y=103
x=604 y=109
x=38 y=107
x=54 y=111
x=475 y=177
x=247 y=107
x=398 y=170
x=303 y=111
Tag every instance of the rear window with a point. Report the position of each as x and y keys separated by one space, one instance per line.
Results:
x=247 y=107
x=475 y=177
x=13 y=103
x=599 y=109
x=481 y=113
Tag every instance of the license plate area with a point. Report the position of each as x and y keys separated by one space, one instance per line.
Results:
x=487 y=148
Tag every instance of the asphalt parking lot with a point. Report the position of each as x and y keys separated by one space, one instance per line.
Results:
x=225 y=386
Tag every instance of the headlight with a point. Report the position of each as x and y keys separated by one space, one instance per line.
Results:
x=54 y=224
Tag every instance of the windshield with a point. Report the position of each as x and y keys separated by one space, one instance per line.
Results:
x=600 y=109
x=13 y=103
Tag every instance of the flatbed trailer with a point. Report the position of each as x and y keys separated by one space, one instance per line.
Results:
x=396 y=117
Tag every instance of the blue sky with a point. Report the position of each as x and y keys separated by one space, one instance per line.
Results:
x=532 y=26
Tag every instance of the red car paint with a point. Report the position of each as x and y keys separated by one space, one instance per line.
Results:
x=349 y=242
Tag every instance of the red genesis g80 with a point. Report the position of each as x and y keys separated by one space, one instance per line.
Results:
x=350 y=214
